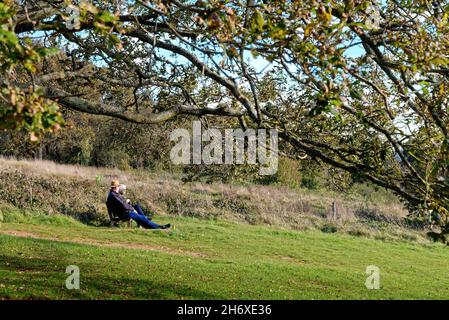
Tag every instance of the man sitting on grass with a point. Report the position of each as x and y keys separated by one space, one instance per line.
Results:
x=125 y=211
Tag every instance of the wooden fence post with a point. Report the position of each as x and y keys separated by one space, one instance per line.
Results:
x=334 y=210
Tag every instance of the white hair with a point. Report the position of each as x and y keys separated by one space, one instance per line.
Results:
x=121 y=188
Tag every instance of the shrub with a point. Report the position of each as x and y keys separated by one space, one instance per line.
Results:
x=309 y=181
x=114 y=158
x=289 y=173
x=329 y=228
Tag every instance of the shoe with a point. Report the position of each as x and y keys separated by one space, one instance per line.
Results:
x=166 y=226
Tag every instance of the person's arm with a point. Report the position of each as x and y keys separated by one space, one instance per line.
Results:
x=123 y=203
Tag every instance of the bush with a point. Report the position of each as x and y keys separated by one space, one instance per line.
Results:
x=329 y=228
x=114 y=158
x=309 y=181
x=52 y=194
x=289 y=173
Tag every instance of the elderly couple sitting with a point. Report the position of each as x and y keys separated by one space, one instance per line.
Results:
x=122 y=208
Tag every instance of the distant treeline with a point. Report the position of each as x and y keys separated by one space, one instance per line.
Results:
x=106 y=142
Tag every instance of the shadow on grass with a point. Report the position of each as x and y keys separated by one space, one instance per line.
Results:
x=44 y=278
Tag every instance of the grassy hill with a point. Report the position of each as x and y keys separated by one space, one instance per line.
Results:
x=230 y=242
x=210 y=260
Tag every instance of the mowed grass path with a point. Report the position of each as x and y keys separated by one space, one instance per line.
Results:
x=204 y=259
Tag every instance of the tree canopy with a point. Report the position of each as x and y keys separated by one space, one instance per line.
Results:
x=359 y=85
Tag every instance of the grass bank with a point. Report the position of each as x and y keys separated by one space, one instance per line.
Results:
x=209 y=259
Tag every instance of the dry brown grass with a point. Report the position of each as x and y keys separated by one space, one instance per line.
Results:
x=52 y=168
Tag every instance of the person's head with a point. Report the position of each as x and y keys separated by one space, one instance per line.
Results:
x=122 y=189
x=115 y=184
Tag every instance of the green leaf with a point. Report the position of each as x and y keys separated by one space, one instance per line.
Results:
x=44 y=52
x=10 y=37
x=260 y=21
x=355 y=94
x=107 y=17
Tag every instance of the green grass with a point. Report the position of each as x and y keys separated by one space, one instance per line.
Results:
x=207 y=259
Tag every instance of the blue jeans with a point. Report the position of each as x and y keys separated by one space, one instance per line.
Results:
x=141 y=220
x=139 y=209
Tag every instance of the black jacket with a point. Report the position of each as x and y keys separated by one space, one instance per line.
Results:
x=117 y=206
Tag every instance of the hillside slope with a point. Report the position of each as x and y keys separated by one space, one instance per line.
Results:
x=230 y=241
x=80 y=192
